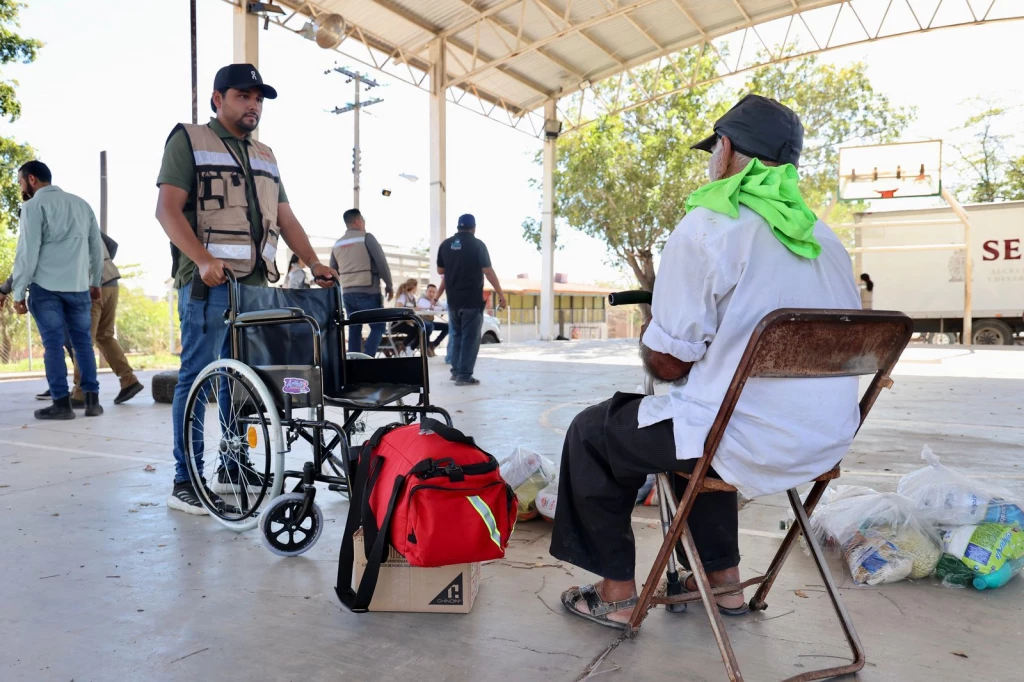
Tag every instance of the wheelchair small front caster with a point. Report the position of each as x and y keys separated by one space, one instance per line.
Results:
x=281 y=529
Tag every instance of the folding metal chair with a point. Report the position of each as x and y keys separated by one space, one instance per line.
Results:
x=789 y=343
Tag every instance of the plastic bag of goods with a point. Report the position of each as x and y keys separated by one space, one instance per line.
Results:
x=953 y=500
x=986 y=556
x=527 y=472
x=547 y=500
x=882 y=536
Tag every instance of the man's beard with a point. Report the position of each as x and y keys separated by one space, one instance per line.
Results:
x=243 y=123
x=27 y=194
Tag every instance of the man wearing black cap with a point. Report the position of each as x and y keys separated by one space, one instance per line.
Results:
x=463 y=262
x=747 y=246
x=223 y=207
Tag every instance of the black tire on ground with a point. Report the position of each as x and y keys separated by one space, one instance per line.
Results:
x=163 y=387
x=490 y=337
x=992 y=333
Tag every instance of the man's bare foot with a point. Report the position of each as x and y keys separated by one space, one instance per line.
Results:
x=718 y=578
x=612 y=591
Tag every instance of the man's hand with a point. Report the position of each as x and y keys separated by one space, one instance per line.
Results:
x=20 y=307
x=212 y=272
x=389 y=294
x=323 y=275
x=501 y=301
x=94 y=293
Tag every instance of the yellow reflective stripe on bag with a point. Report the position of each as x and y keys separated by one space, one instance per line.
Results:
x=485 y=513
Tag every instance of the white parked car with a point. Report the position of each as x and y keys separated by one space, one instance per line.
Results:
x=490 y=330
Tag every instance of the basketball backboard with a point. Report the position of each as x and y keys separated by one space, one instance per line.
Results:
x=890 y=171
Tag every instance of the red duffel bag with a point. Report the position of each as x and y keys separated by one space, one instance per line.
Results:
x=429 y=491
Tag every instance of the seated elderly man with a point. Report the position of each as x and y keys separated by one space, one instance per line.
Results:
x=747 y=246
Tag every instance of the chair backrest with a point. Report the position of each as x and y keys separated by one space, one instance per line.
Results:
x=292 y=344
x=817 y=344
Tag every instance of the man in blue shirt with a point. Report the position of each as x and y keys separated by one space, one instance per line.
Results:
x=59 y=263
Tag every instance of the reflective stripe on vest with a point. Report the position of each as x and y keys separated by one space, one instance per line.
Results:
x=207 y=158
x=485 y=513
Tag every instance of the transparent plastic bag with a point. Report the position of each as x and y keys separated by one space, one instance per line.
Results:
x=951 y=499
x=527 y=472
x=882 y=536
x=547 y=500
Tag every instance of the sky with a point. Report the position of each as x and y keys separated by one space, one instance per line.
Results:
x=114 y=76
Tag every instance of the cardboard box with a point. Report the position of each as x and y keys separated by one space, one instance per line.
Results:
x=401 y=587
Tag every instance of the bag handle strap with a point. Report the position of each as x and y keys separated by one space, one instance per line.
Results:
x=359 y=492
x=449 y=433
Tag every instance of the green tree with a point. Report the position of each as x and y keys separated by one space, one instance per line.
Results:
x=986 y=165
x=13 y=48
x=625 y=179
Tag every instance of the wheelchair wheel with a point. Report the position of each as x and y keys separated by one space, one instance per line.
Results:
x=240 y=437
x=283 y=533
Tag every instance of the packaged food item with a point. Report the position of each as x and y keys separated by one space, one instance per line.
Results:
x=873 y=560
x=547 y=500
x=984 y=548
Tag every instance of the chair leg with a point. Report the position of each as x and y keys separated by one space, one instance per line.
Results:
x=732 y=666
x=757 y=602
x=856 y=648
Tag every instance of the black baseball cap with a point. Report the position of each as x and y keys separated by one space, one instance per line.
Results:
x=761 y=128
x=241 y=77
x=467 y=221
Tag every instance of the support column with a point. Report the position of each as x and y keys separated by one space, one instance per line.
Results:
x=547 y=240
x=245 y=31
x=438 y=152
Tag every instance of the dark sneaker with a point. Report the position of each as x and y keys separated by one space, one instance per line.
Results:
x=128 y=392
x=61 y=409
x=45 y=395
x=92 y=405
x=231 y=481
x=183 y=498
x=467 y=382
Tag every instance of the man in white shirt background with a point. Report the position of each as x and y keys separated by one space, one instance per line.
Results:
x=748 y=245
x=428 y=302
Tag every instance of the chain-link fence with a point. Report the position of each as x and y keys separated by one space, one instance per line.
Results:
x=147 y=328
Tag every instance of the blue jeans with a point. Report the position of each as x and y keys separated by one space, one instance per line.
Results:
x=204 y=338
x=55 y=312
x=353 y=304
x=465 y=326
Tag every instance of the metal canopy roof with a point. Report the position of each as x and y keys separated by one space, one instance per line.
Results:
x=508 y=57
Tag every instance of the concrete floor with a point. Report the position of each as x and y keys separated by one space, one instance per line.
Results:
x=102 y=582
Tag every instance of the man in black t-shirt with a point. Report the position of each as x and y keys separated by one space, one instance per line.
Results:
x=463 y=262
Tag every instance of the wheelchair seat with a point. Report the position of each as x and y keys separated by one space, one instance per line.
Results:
x=369 y=396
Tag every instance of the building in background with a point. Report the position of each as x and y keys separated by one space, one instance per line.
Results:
x=580 y=309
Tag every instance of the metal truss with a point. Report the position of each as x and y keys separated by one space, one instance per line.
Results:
x=495 y=40
x=801 y=34
x=410 y=67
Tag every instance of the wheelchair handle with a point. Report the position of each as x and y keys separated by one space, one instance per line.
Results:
x=629 y=298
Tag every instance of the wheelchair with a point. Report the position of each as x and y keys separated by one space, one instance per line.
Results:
x=287 y=365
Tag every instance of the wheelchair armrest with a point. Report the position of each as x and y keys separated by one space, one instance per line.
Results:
x=382 y=315
x=271 y=315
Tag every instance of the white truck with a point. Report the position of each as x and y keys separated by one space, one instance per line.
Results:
x=929 y=285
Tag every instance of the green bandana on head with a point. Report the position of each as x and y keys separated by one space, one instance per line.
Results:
x=773 y=193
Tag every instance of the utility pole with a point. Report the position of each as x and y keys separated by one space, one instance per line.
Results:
x=359 y=80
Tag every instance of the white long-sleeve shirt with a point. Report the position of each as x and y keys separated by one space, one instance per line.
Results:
x=718 y=277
